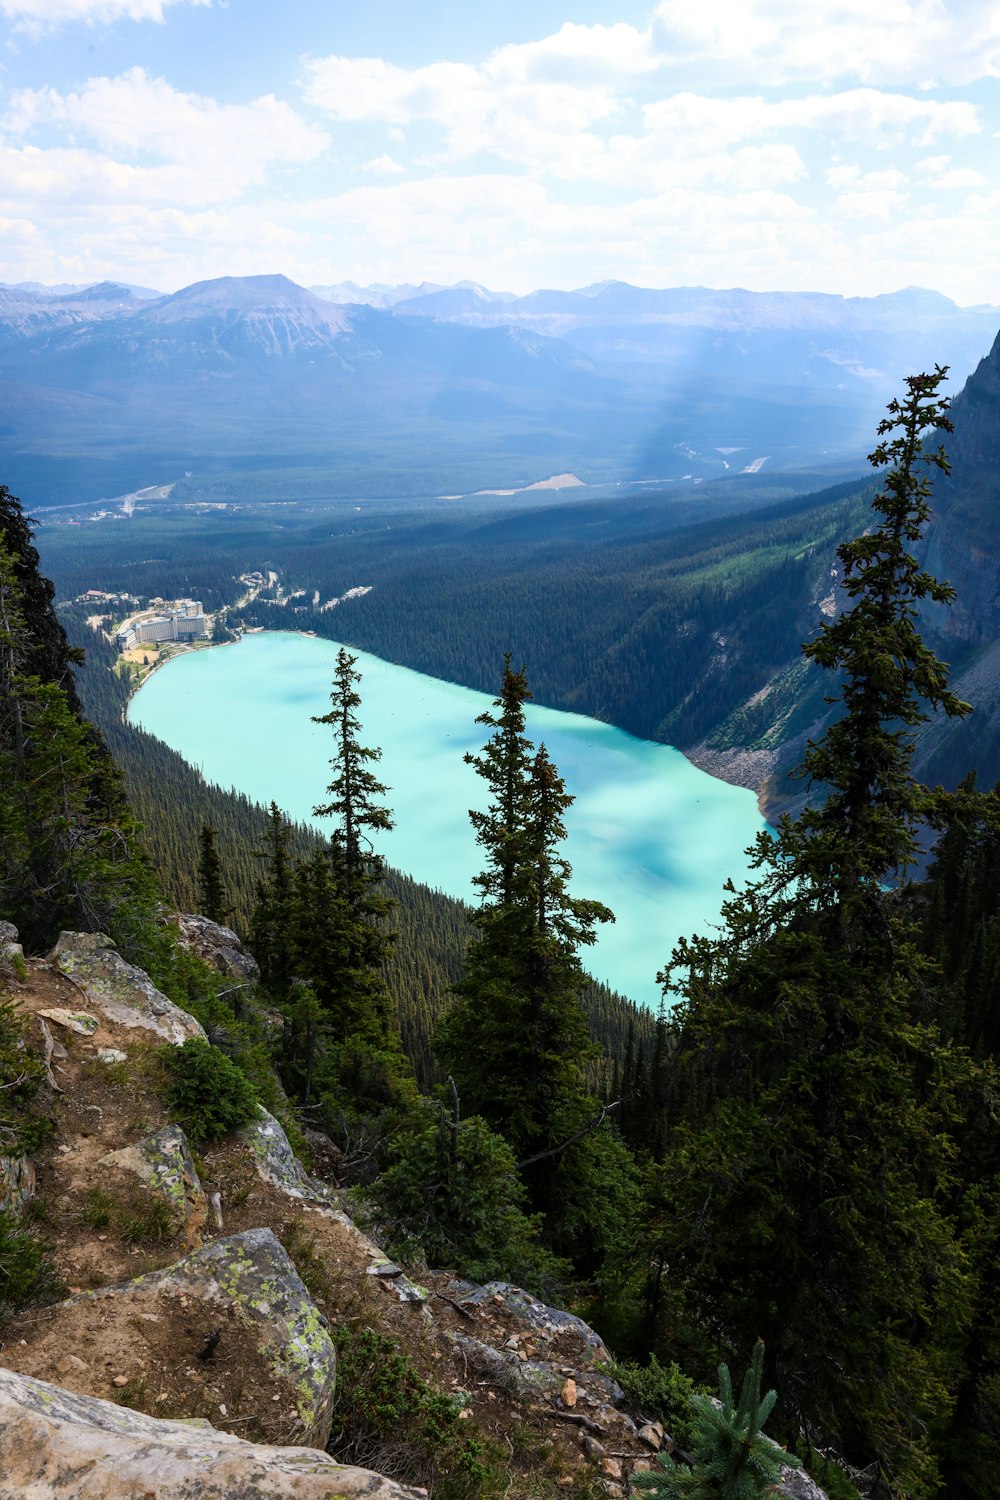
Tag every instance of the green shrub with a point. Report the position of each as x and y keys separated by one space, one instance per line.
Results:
x=454 y=1198
x=97 y=1209
x=26 y=1273
x=146 y=1219
x=208 y=1093
x=141 y=1217
x=387 y=1418
x=660 y=1393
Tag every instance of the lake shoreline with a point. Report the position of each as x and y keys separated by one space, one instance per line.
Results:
x=747 y=769
x=650 y=834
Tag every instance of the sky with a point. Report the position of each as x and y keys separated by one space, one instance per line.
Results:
x=846 y=146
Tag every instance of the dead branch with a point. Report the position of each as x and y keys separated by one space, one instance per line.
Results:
x=529 y=1161
x=457 y=1306
x=50 y=1043
x=577 y=1418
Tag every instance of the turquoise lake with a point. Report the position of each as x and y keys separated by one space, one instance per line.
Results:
x=649 y=834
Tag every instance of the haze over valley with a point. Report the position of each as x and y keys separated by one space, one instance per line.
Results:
x=253 y=386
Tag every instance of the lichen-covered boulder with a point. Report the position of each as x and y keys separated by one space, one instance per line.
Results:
x=118 y=990
x=11 y=952
x=219 y=946
x=548 y=1323
x=163 y=1161
x=251 y=1274
x=796 y=1484
x=277 y=1163
x=58 y=1446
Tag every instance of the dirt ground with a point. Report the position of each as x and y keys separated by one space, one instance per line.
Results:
x=140 y=1346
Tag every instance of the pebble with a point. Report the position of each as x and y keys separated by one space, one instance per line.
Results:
x=569 y=1393
x=120 y=1380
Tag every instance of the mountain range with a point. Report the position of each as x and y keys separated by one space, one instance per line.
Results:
x=244 y=383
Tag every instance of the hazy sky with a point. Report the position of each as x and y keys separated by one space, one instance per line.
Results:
x=844 y=145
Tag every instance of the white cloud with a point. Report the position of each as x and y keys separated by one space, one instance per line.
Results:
x=661 y=155
x=46 y=15
x=867 y=195
x=910 y=42
x=384 y=166
x=869 y=115
x=521 y=109
x=152 y=141
x=940 y=174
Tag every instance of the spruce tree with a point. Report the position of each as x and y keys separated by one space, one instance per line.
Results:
x=354 y=790
x=70 y=852
x=210 y=884
x=732 y=1459
x=517 y=1040
x=320 y=936
x=810 y=1172
x=271 y=936
x=862 y=830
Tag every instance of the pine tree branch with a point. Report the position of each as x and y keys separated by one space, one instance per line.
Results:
x=529 y=1161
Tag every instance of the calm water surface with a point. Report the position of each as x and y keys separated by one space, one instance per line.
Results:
x=649 y=834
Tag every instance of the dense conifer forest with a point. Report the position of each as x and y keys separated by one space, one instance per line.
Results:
x=806 y=1151
x=631 y=611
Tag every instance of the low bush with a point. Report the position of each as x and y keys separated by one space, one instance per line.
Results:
x=207 y=1092
x=660 y=1393
x=26 y=1273
x=388 y=1418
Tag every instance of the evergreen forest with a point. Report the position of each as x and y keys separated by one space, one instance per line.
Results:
x=796 y=1165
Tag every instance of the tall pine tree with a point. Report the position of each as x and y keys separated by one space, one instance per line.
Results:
x=810 y=1173
x=517 y=1040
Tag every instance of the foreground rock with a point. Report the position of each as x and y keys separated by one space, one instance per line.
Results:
x=219 y=946
x=58 y=1446
x=164 y=1163
x=117 y=989
x=229 y=1329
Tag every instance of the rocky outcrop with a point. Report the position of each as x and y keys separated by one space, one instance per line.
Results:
x=250 y=1276
x=55 y=1445
x=219 y=946
x=164 y=1163
x=11 y=952
x=117 y=989
x=546 y=1323
x=278 y=1164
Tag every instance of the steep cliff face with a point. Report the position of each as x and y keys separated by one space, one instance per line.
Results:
x=961 y=543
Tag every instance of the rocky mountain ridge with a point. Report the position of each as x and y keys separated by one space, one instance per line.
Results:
x=106 y=390
x=199 y=1359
